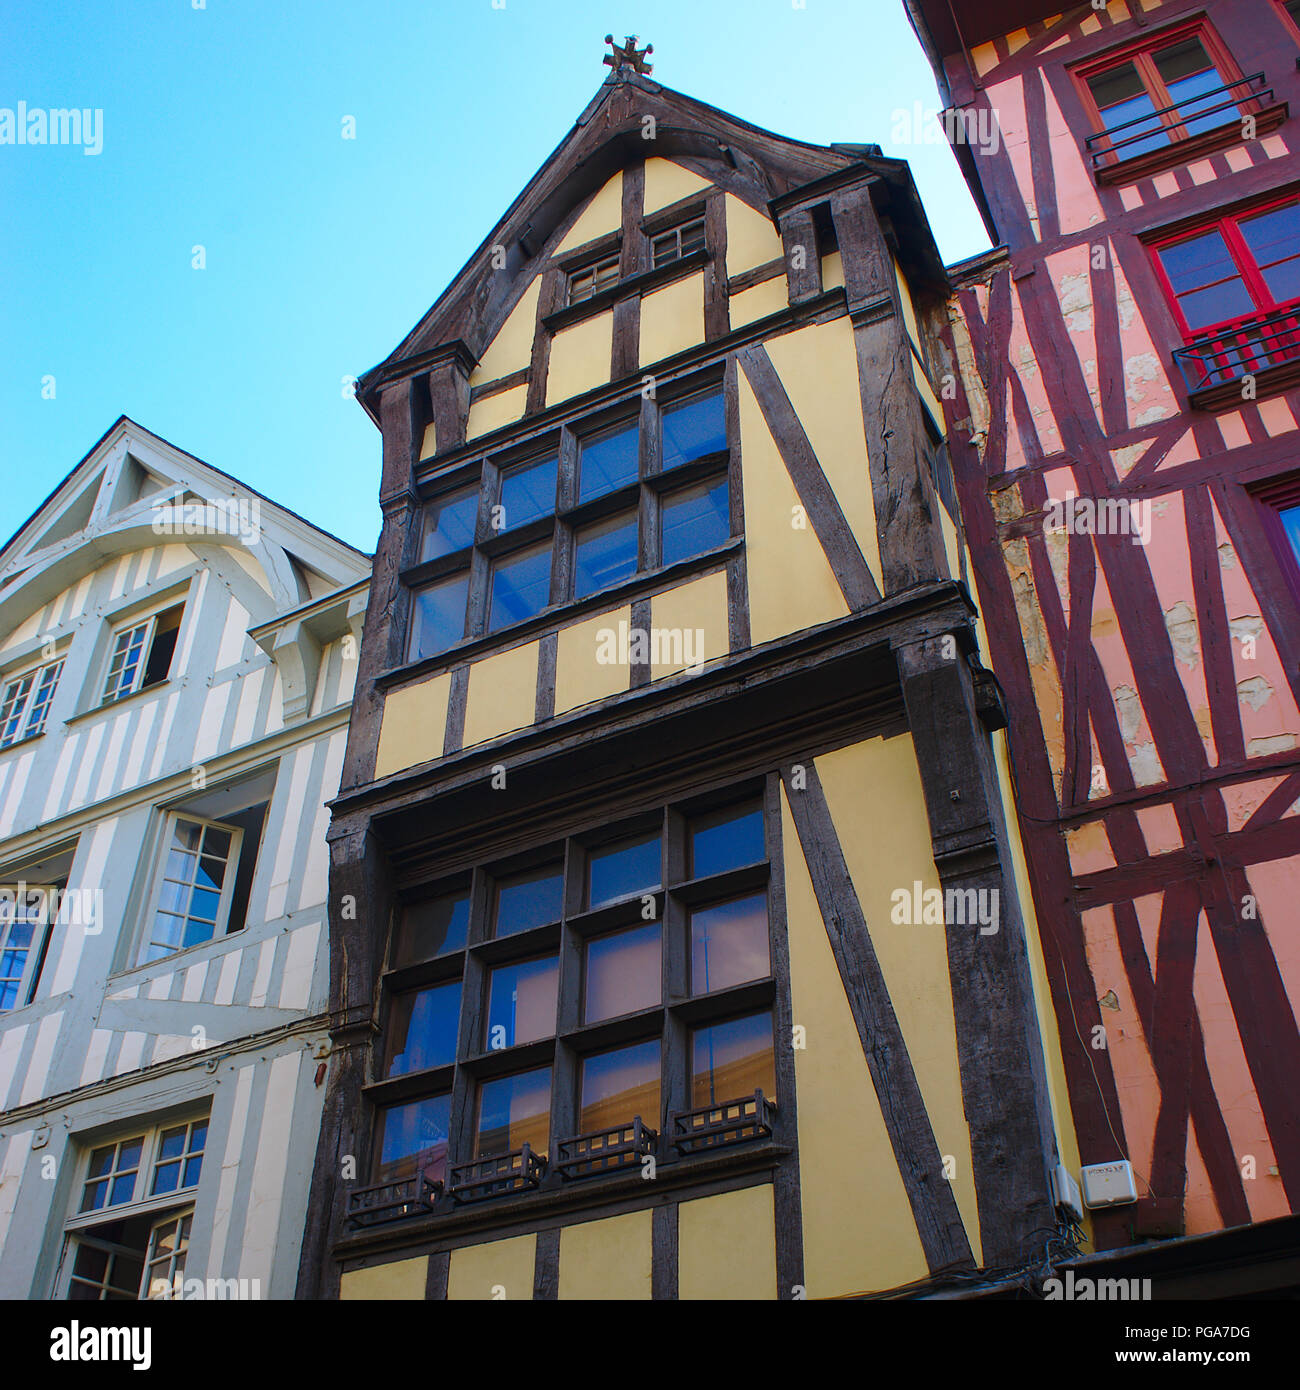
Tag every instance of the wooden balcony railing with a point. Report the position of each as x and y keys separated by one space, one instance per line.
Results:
x=1250 y=346
x=606 y=1150
x=392 y=1201
x=727 y=1122
x=497 y=1174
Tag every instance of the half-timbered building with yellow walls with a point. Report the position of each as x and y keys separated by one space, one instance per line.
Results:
x=177 y=655
x=677 y=948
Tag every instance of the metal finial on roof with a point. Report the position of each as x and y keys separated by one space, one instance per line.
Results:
x=628 y=56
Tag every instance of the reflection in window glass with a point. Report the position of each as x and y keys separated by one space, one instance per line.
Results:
x=608 y=461
x=180 y=1157
x=521 y=586
x=1205 y=279
x=694 y=520
x=434 y=926
x=693 y=430
x=727 y=839
x=422 y=1028
x=512 y=1111
x=527 y=493
x=733 y=1059
x=438 y=616
x=604 y=554
x=1274 y=241
x=521 y=1002
x=111 y=1179
x=624 y=973
x=620 y=1085
x=530 y=899
x=449 y=523
x=623 y=869
x=413 y=1139
x=729 y=944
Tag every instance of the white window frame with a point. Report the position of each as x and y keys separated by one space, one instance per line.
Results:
x=166 y=845
x=19 y=715
x=111 y=692
x=183 y=1220
x=164 y=1207
x=45 y=894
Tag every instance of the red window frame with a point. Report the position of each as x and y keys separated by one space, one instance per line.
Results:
x=1273 y=498
x=1140 y=53
x=1226 y=225
x=1292 y=27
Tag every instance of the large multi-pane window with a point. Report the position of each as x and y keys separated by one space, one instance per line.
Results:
x=624 y=974
x=130 y=1233
x=25 y=702
x=1169 y=90
x=606 y=500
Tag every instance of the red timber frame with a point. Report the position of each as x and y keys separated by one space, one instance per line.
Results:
x=1274 y=498
x=1207 y=875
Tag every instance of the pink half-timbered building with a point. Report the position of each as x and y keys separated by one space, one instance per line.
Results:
x=1123 y=409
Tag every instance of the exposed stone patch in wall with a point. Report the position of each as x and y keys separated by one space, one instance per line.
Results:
x=1147 y=771
x=1275 y=743
x=1181 y=622
x=1128 y=709
x=1075 y=294
x=1227 y=556
x=1125 y=458
x=1254 y=691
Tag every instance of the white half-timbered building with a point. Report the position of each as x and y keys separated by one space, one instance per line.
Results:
x=177 y=656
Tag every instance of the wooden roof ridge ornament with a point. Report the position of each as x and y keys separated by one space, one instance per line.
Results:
x=628 y=56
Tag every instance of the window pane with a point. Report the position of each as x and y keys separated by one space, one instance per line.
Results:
x=531 y=899
x=1205 y=279
x=693 y=429
x=695 y=520
x=623 y=869
x=423 y=1027
x=438 y=616
x=729 y=944
x=449 y=523
x=172 y=1142
x=521 y=586
x=733 y=1059
x=521 y=1002
x=607 y=462
x=1190 y=76
x=527 y=493
x=433 y=927
x=727 y=839
x=413 y=1139
x=1121 y=98
x=1274 y=241
x=605 y=553
x=624 y=973
x=618 y=1086
x=514 y=1110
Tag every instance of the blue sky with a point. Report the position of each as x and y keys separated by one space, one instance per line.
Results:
x=222 y=128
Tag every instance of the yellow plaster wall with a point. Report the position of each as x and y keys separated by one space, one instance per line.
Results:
x=927 y=392
x=607 y=1259
x=885 y=835
x=429 y=445
x=832 y=271
x=602 y=215
x=672 y=319
x=791 y=584
x=858 y=1230
x=818 y=367
x=909 y=312
x=702 y=605
x=499 y=1268
x=492 y=412
x=512 y=348
x=580 y=358
x=758 y=301
x=751 y=239
x=579 y=678
x=726 y=1246
x=401 y=1279
x=666 y=182
x=502 y=694
x=414 y=725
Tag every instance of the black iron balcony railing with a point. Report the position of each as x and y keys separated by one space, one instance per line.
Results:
x=606 y=1150
x=1187 y=117
x=498 y=1174
x=1246 y=347
x=393 y=1201
x=727 y=1122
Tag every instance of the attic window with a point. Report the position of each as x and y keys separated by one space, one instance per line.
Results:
x=678 y=242
x=591 y=279
x=142 y=654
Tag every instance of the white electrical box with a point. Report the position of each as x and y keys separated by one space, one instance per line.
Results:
x=1108 y=1184
x=1066 y=1192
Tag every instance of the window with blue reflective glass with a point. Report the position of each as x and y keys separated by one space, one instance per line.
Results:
x=521 y=586
x=695 y=520
x=423 y=1025
x=693 y=430
x=607 y=462
x=623 y=869
x=521 y=1002
x=449 y=523
x=604 y=553
x=726 y=839
x=527 y=492
x=531 y=899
